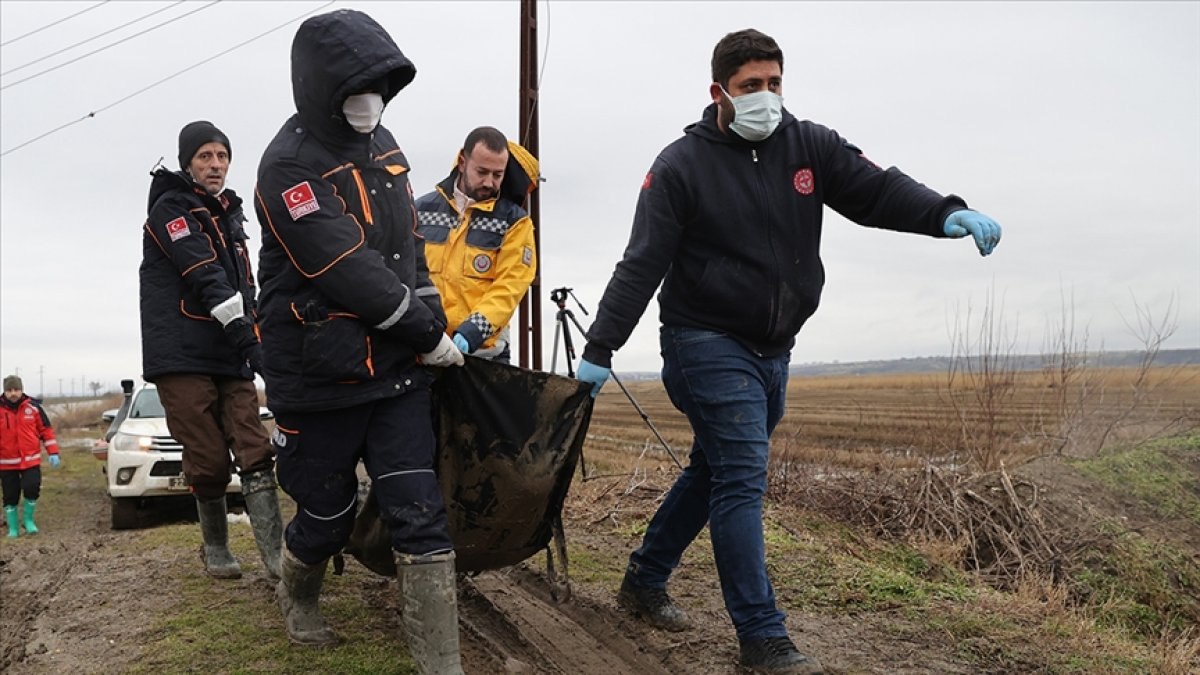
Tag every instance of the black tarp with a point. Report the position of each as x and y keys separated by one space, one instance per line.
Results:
x=508 y=442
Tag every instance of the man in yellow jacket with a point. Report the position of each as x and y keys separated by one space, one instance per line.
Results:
x=479 y=240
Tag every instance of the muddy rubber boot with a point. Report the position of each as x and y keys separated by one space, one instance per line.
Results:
x=10 y=517
x=429 y=601
x=214 y=529
x=30 y=526
x=299 y=593
x=778 y=656
x=262 y=505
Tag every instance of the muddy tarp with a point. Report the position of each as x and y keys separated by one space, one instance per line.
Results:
x=508 y=442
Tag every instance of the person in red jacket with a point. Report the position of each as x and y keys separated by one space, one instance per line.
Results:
x=23 y=430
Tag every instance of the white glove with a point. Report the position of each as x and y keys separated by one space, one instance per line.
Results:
x=444 y=354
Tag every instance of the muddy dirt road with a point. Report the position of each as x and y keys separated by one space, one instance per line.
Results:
x=81 y=598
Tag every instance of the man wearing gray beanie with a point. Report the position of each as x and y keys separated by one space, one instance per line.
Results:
x=24 y=430
x=200 y=343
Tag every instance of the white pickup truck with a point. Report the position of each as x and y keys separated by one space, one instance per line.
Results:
x=143 y=463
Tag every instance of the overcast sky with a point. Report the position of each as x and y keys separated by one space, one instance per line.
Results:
x=1075 y=125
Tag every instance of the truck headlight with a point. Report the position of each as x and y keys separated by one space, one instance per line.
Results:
x=123 y=442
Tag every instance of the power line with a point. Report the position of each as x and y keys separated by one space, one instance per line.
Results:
x=53 y=23
x=114 y=44
x=167 y=78
x=94 y=37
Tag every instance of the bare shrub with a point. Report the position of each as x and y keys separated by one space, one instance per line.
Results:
x=980 y=383
x=1004 y=538
x=1073 y=385
x=1085 y=407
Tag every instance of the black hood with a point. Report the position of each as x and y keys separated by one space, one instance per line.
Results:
x=335 y=55
x=707 y=128
x=165 y=181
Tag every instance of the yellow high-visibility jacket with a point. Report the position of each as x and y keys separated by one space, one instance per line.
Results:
x=482 y=260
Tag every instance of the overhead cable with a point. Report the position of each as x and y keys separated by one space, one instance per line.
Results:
x=94 y=37
x=165 y=79
x=108 y=46
x=53 y=23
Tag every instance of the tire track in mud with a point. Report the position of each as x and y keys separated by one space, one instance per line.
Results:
x=30 y=583
x=511 y=624
x=32 y=577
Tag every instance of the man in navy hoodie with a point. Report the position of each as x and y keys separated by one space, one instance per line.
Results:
x=729 y=221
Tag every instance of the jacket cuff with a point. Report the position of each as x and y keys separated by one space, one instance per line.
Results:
x=472 y=333
x=956 y=204
x=598 y=355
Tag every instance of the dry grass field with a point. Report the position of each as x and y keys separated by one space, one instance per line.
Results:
x=901 y=420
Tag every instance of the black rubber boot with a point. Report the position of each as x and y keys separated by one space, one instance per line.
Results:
x=299 y=594
x=654 y=606
x=429 y=601
x=214 y=529
x=777 y=656
x=262 y=505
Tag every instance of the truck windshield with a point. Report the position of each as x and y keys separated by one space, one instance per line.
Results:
x=147 y=405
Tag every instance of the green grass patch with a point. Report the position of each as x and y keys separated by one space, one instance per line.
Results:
x=585 y=566
x=834 y=566
x=1142 y=587
x=1154 y=474
x=1132 y=584
x=236 y=627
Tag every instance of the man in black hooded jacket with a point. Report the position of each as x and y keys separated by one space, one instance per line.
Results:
x=349 y=315
x=199 y=345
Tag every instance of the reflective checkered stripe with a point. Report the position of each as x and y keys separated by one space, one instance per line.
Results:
x=490 y=224
x=438 y=219
x=480 y=321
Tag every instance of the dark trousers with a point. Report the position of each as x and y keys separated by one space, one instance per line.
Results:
x=28 y=481
x=210 y=416
x=318 y=456
x=733 y=400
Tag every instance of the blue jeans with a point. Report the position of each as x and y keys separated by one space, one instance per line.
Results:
x=733 y=400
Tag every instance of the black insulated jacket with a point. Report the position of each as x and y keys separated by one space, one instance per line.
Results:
x=732 y=230
x=346 y=301
x=194 y=258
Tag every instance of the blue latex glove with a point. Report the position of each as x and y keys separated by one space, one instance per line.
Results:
x=462 y=344
x=55 y=461
x=590 y=372
x=985 y=230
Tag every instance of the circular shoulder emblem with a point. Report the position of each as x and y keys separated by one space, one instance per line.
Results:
x=803 y=181
x=482 y=263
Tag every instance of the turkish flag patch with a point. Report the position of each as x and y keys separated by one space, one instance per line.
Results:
x=803 y=181
x=300 y=200
x=177 y=229
x=648 y=180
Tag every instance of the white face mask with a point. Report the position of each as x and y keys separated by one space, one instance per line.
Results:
x=755 y=116
x=363 y=111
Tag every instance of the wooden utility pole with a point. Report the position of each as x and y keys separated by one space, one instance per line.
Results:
x=529 y=326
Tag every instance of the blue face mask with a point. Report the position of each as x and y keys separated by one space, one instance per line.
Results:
x=757 y=115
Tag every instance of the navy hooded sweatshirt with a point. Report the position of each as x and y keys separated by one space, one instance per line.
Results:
x=732 y=230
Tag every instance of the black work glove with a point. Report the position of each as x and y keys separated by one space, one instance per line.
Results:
x=241 y=334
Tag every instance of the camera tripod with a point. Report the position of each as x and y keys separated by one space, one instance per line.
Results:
x=563 y=320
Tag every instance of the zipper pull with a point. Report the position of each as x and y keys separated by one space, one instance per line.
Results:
x=754 y=155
